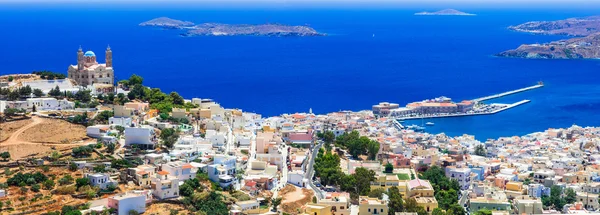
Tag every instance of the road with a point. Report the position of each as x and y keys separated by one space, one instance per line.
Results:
x=284 y=171
x=310 y=170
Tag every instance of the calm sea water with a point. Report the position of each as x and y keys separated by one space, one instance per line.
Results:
x=370 y=56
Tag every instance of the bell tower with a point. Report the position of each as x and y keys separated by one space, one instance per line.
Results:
x=80 y=59
x=108 y=57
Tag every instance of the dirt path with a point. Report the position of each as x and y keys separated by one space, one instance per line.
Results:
x=14 y=138
x=20 y=148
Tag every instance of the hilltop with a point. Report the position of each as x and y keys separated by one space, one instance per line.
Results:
x=446 y=12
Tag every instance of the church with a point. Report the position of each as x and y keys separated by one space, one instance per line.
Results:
x=89 y=72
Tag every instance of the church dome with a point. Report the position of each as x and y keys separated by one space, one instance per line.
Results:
x=89 y=54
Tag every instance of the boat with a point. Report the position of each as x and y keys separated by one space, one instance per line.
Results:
x=430 y=124
x=415 y=128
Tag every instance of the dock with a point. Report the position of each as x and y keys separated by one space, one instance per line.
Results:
x=477 y=100
x=468 y=114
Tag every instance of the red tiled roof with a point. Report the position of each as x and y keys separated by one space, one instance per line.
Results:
x=163 y=173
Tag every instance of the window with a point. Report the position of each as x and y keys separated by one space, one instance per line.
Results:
x=369 y=209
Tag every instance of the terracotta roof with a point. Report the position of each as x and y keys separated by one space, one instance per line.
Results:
x=163 y=173
x=187 y=166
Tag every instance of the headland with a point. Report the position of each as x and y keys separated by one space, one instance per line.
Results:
x=445 y=12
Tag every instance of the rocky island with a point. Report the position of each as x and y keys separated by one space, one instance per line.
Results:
x=220 y=29
x=446 y=12
x=575 y=48
x=585 y=47
x=571 y=27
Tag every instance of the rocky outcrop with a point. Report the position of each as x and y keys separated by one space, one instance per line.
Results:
x=219 y=29
x=575 y=48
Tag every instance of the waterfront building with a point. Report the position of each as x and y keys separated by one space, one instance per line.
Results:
x=384 y=108
x=88 y=71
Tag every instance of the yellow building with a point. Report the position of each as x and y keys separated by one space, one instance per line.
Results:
x=387 y=181
x=317 y=209
x=514 y=189
x=339 y=204
x=179 y=113
x=423 y=193
x=122 y=111
x=372 y=206
x=527 y=205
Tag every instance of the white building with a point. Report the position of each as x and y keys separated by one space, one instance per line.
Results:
x=183 y=171
x=296 y=178
x=165 y=186
x=121 y=121
x=142 y=136
x=101 y=180
x=44 y=104
x=216 y=138
x=462 y=175
x=124 y=203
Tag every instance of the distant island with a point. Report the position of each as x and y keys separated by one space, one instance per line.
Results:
x=571 y=27
x=585 y=47
x=575 y=48
x=446 y=12
x=219 y=29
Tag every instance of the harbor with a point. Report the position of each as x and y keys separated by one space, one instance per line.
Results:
x=505 y=107
x=442 y=107
x=540 y=84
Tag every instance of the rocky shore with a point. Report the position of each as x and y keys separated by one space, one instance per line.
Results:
x=572 y=27
x=575 y=48
x=219 y=29
x=586 y=46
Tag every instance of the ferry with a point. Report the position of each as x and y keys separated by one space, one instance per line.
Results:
x=430 y=124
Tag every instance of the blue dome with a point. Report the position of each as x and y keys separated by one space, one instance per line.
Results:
x=89 y=54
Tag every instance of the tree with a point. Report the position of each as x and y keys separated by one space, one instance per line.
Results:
x=570 y=196
x=38 y=93
x=80 y=182
x=73 y=167
x=133 y=212
x=275 y=202
x=55 y=92
x=10 y=78
x=67 y=179
x=480 y=150
x=377 y=193
x=83 y=96
x=110 y=148
x=110 y=97
x=363 y=177
x=48 y=184
x=176 y=98
x=5 y=156
x=169 y=136
x=389 y=168
x=438 y=211
x=135 y=80
x=102 y=117
x=372 y=149
x=483 y=211
x=100 y=168
x=13 y=95
x=395 y=203
x=328 y=137
x=25 y=91
x=35 y=188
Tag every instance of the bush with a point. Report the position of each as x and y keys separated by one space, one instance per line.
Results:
x=35 y=188
x=48 y=184
x=80 y=182
x=64 y=190
x=27 y=178
x=67 y=179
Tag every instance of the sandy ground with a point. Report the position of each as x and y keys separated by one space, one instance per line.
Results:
x=54 y=131
x=165 y=208
x=8 y=128
x=41 y=135
x=294 y=198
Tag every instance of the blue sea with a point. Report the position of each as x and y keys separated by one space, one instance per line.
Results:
x=371 y=55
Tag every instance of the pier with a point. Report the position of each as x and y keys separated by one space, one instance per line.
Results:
x=477 y=100
x=466 y=114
